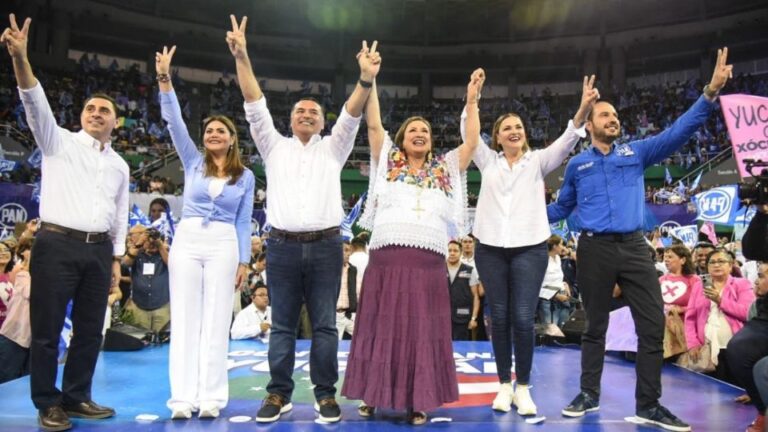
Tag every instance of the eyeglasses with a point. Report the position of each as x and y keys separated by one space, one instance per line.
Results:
x=259 y=295
x=718 y=262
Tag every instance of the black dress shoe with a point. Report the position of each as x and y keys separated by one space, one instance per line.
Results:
x=53 y=419
x=89 y=410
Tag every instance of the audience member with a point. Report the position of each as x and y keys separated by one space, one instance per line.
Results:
x=463 y=284
x=147 y=257
x=255 y=320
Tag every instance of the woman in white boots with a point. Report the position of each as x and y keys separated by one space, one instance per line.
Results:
x=511 y=227
x=210 y=254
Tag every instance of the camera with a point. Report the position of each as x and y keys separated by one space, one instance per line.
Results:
x=154 y=234
x=755 y=192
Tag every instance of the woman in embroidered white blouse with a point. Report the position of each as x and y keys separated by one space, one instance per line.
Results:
x=511 y=227
x=402 y=354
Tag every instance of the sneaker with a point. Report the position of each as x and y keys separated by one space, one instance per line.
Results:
x=503 y=400
x=758 y=425
x=522 y=400
x=660 y=416
x=366 y=411
x=208 y=411
x=580 y=405
x=329 y=410
x=181 y=413
x=417 y=418
x=273 y=406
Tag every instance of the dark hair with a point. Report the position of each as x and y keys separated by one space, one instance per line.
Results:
x=311 y=99
x=104 y=96
x=495 y=146
x=400 y=135
x=726 y=252
x=553 y=241
x=357 y=243
x=258 y=285
x=703 y=244
x=456 y=242
x=602 y=100
x=162 y=202
x=261 y=257
x=233 y=166
x=681 y=251
x=11 y=262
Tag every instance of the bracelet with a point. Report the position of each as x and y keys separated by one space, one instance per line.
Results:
x=163 y=78
x=708 y=92
x=244 y=264
x=365 y=84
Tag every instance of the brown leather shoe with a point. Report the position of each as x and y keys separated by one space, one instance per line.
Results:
x=88 y=410
x=53 y=419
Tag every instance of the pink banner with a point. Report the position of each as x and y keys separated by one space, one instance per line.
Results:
x=747 y=119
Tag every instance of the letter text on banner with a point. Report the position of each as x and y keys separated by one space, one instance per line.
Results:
x=747 y=119
x=688 y=234
x=718 y=205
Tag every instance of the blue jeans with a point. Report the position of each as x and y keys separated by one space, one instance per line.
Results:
x=512 y=279
x=545 y=311
x=304 y=272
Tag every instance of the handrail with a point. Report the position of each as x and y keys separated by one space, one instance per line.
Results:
x=24 y=139
x=708 y=165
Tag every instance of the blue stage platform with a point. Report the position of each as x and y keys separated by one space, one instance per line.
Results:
x=136 y=383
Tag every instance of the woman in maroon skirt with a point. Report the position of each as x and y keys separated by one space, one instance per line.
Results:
x=402 y=356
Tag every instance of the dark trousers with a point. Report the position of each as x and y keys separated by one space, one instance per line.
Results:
x=14 y=360
x=512 y=279
x=760 y=374
x=64 y=269
x=604 y=262
x=460 y=331
x=746 y=348
x=308 y=273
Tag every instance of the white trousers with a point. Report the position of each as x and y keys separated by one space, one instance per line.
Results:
x=202 y=265
x=344 y=324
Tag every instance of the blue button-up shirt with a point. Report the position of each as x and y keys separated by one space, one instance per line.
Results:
x=608 y=190
x=235 y=203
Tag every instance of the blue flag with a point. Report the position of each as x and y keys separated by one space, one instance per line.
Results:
x=560 y=229
x=718 y=205
x=667 y=176
x=164 y=224
x=7 y=165
x=695 y=183
x=137 y=217
x=66 y=332
x=36 y=158
x=349 y=220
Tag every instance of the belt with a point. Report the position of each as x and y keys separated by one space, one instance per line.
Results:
x=87 y=237
x=306 y=236
x=615 y=237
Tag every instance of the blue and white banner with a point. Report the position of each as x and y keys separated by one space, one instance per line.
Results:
x=36 y=158
x=137 y=217
x=667 y=176
x=349 y=220
x=7 y=165
x=695 y=183
x=743 y=218
x=560 y=229
x=688 y=234
x=718 y=205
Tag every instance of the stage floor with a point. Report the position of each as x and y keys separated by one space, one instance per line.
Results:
x=136 y=383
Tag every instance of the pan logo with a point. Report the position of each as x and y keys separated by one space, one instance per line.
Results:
x=11 y=214
x=668 y=226
x=714 y=204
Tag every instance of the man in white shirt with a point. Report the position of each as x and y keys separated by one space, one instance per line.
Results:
x=84 y=209
x=349 y=293
x=255 y=320
x=304 y=253
x=359 y=256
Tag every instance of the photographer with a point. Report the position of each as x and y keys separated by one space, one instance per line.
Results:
x=755 y=242
x=147 y=258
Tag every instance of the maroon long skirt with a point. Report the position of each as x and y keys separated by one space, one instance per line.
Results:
x=402 y=355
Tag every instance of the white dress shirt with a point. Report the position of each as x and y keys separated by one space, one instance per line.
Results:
x=511 y=210
x=248 y=323
x=303 y=181
x=83 y=187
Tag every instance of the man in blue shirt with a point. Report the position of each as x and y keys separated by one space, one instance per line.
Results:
x=605 y=185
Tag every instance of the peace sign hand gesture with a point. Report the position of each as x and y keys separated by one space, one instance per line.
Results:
x=236 y=38
x=369 y=61
x=722 y=71
x=589 y=96
x=15 y=39
x=163 y=60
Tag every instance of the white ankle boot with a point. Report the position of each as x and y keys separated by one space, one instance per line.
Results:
x=503 y=399
x=522 y=400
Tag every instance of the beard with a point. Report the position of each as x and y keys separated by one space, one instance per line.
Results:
x=603 y=136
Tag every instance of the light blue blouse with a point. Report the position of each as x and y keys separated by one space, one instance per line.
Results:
x=235 y=203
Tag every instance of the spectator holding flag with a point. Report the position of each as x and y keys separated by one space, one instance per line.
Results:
x=84 y=208
x=210 y=256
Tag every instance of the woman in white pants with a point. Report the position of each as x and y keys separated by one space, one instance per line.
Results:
x=213 y=236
